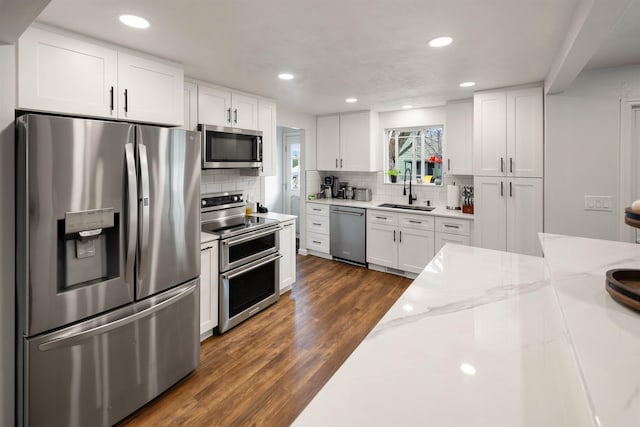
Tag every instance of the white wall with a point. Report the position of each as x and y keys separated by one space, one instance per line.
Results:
x=7 y=320
x=273 y=197
x=582 y=151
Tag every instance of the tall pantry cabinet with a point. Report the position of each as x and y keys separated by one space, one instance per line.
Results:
x=508 y=169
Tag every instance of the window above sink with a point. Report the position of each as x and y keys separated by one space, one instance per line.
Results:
x=416 y=150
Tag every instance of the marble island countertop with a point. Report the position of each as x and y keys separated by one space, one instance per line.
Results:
x=492 y=338
x=437 y=211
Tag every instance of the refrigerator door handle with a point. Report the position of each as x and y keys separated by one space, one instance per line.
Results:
x=144 y=209
x=132 y=221
x=69 y=340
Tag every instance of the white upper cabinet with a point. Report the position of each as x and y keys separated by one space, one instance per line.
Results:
x=149 y=91
x=328 y=143
x=190 y=106
x=267 y=124
x=60 y=73
x=67 y=73
x=508 y=133
x=348 y=142
x=221 y=107
x=525 y=133
x=458 y=135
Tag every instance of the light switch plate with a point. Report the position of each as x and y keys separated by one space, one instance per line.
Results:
x=598 y=203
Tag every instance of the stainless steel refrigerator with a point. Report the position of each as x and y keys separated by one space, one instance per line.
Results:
x=108 y=259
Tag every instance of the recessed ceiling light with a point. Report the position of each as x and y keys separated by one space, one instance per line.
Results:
x=351 y=100
x=467 y=84
x=134 y=21
x=285 y=76
x=440 y=41
x=407 y=106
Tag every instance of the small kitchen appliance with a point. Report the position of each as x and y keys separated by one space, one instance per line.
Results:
x=228 y=147
x=362 y=194
x=326 y=190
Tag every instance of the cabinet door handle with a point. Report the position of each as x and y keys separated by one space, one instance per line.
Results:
x=510 y=189
x=111 y=94
x=341 y=164
x=235 y=116
x=126 y=101
x=501 y=188
x=336 y=163
x=400 y=236
x=449 y=165
x=394 y=235
x=510 y=164
x=229 y=115
x=501 y=164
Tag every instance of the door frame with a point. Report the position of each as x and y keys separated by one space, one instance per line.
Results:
x=629 y=152
x=285 y=163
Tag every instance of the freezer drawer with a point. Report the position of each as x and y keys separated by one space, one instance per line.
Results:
x=97 y=372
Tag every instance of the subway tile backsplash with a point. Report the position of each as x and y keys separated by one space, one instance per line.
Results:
x=391 y=193
x=217 y=180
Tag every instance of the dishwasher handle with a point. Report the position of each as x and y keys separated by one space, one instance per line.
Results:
x=339 y=211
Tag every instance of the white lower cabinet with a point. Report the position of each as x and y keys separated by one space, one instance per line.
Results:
x=318 y=229
x=288 y=252
x=452 y=230
x=508 y=214
x=208 y=288
x=400 y=241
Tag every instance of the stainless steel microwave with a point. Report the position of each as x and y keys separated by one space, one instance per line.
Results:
x=225 y=147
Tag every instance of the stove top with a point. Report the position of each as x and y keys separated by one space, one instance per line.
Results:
x=234 y=226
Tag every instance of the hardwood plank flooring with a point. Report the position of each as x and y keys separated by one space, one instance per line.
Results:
x=266 y=370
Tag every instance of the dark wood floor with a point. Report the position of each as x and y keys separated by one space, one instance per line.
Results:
x=266 y=370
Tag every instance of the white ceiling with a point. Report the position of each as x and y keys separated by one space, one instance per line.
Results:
x=375 y=50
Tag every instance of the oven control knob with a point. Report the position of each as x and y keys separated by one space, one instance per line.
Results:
x=204 y=203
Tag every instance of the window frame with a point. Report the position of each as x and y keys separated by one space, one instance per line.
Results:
x=415 y=159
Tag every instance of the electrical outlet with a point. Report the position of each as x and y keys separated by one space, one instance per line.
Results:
x=598 y=203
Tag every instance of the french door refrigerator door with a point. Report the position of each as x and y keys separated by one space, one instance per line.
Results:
x=72 y=217
x=169 y=208
x=99 y=371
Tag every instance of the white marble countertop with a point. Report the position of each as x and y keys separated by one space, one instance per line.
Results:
x=438 y=211
x=492 y=338
x=207 y=237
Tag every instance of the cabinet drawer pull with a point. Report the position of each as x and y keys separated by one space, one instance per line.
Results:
x=451 y=226
x=316 y=209
x=382 y=217
x=316 y=242
x=415 y=222
x=317 y=223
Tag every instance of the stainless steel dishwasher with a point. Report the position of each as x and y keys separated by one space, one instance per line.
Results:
x=348 y=234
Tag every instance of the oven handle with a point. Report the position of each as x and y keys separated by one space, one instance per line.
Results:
x=235 y=241
x=250 y=267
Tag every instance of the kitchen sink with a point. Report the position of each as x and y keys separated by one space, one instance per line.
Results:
x=408 y=207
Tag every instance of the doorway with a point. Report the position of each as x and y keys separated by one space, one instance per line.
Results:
x=282 y=191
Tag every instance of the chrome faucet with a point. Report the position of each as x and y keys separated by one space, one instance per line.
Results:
x=404 y=190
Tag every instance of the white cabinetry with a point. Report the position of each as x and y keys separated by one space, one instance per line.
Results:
x=508 y=133
x=399 y=241
x=458 y=135
x=267 y=124
x=318 y=230
x=190 y=106
x=508 y=214
x=288 y=252
x=452 y=230
x=67 y=73
x=208 y=288
x=221 y=107
x=348 y=142
x=149 y=91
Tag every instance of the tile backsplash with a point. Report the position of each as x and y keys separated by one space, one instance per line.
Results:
x=217 y=180
x=391 y=193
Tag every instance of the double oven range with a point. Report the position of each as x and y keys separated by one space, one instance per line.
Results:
x=249 y=258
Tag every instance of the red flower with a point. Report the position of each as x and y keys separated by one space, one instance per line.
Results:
x=439 y=160
x=432 y=159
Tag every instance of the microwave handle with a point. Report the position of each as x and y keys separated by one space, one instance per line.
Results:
x=259 y=148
